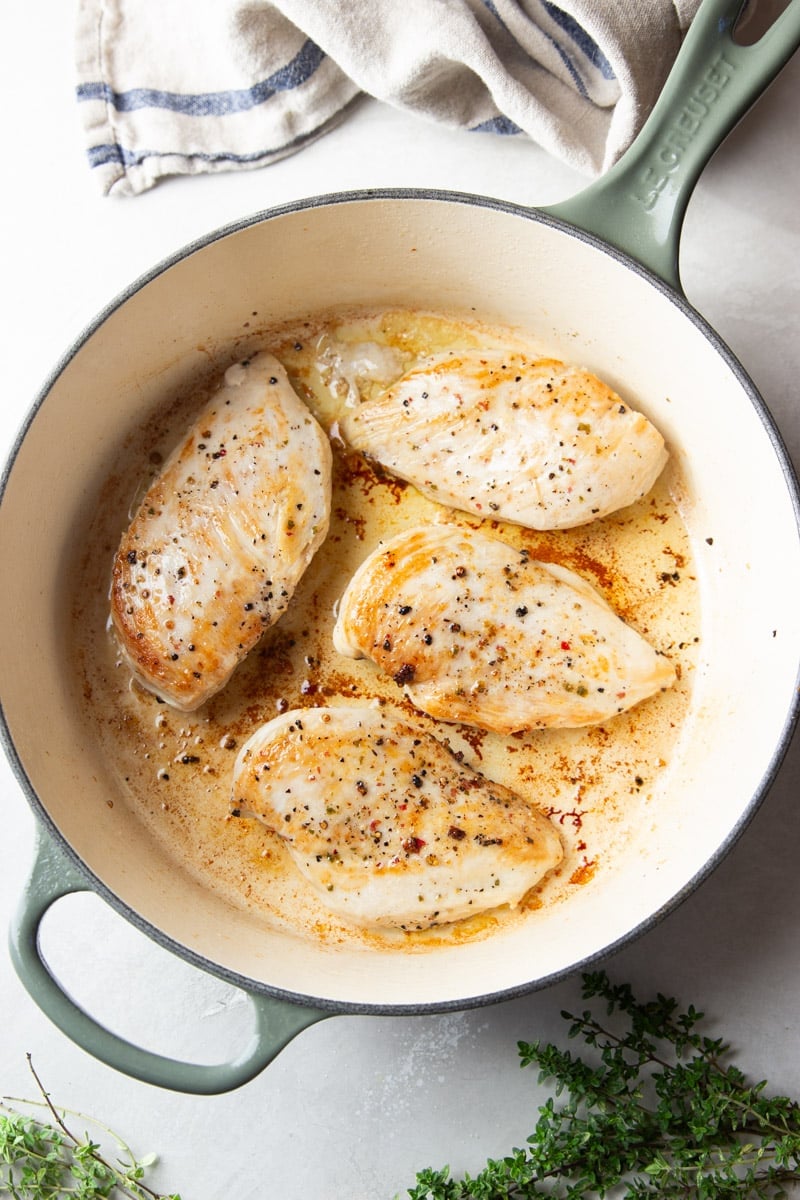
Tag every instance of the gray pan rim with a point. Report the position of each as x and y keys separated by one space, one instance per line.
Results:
x=321 y=1003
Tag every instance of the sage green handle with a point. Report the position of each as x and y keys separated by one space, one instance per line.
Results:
x=53 y=876
x=639 y=205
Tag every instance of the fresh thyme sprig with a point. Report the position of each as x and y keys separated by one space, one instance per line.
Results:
x=659 y=1111
x=45 y=1160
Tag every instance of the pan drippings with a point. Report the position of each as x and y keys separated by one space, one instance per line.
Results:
x=173 y=769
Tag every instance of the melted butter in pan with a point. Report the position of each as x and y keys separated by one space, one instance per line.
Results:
x=173 y=769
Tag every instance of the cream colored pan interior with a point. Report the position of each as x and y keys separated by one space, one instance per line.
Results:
x=586 y=305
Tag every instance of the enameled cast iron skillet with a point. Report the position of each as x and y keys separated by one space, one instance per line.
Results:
x=597 y=279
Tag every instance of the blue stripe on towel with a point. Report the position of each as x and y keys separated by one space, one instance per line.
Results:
x=113 y=152
x=492 y=9
x=502 y=125
x=562 y=53
x=586 y=44
x=569 y=64
x=212 y=104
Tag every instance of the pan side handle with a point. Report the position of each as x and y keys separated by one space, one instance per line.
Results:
x=639 y=204
x=277 y=1021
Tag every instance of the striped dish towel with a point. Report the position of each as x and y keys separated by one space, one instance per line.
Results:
x=180 y=87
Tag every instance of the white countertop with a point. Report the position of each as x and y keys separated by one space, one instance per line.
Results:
x=355 y=1105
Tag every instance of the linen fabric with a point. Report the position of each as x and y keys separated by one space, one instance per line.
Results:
x=182 y=87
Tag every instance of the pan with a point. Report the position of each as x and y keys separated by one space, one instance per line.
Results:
x=593 y=281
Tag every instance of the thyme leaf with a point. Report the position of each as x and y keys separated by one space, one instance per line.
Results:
x=657 y=1110
x=42 y=1159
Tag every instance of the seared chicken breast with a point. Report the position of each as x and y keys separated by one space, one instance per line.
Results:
x=387 y=826
x=223 y=536
x=477 y=632
x=534 y=442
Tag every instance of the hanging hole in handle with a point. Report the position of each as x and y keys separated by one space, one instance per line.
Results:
x=756 y=17
x=139 y=990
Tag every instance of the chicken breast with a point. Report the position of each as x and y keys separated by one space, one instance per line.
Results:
x=477 y=632
x=535 y=442
x=223 y=536
x=386 y=825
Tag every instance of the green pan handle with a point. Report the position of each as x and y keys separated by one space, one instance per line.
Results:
x=638 y=206
x=277 y=1021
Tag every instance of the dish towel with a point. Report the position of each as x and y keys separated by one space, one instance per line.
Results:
x=180 y=87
